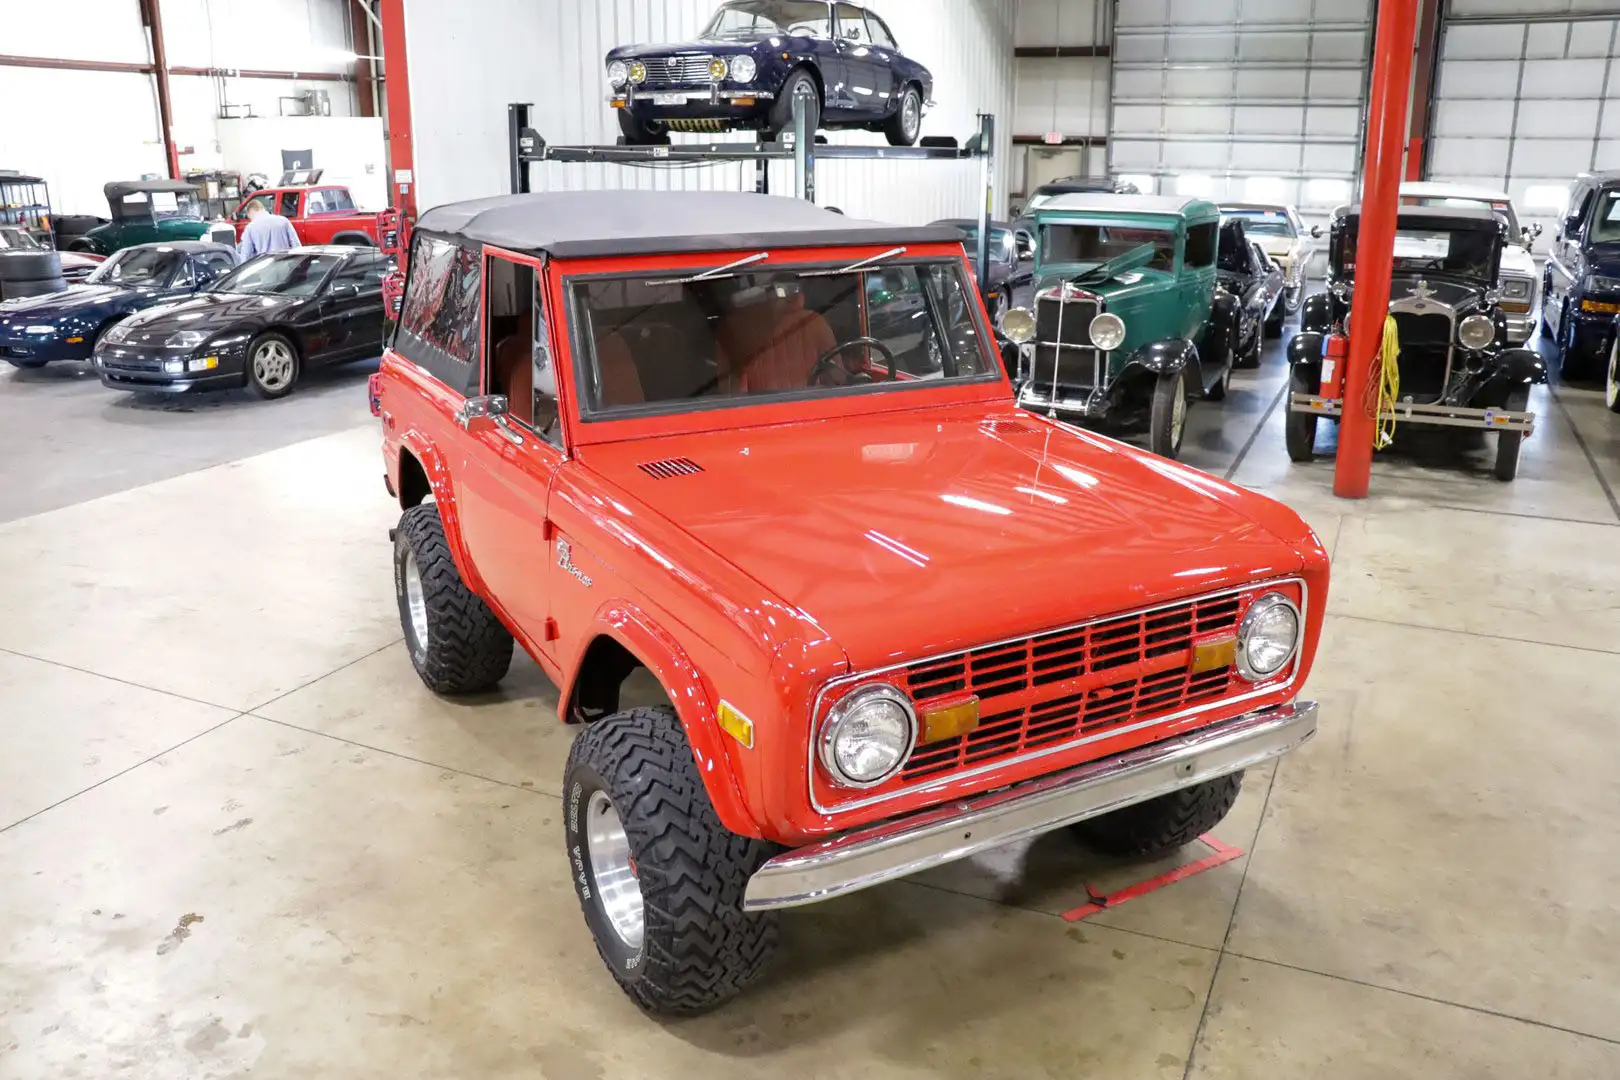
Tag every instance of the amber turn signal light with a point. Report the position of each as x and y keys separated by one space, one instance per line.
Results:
x=735 y=724
x=1214 y=655
x=947 y=721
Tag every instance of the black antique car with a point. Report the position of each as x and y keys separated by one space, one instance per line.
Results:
x=1455 y=367
x=755 y=57
x=1244 y=270
x=1011 y=273
x=261 y=326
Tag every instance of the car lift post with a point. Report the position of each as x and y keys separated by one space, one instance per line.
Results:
x=1388 y=99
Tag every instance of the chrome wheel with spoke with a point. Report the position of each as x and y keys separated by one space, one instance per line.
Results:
x=1167 y=420
x=272 y=366
x=906 y=124
x=613 y=870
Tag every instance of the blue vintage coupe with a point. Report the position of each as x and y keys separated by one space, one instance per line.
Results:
x=755 y=57
x=36 y=330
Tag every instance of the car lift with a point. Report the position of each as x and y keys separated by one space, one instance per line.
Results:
x=526 y=146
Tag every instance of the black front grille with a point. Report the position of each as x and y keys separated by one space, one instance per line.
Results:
x=1425 y=353
x=1067 y=324
x=131 y=361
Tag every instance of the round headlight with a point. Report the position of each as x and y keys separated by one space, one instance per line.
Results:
x=1477 y=331
x=618 y=73
x=1268 y=637
x=638 y=71
x=1108 y=331
x=743 y=68
x=868 y=736
x=717 y=69
x=1017 y=325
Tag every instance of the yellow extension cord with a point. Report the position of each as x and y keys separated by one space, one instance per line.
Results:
x=1383 y=393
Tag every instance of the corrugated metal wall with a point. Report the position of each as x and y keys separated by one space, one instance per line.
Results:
x=1528 y=96
x=1257 y=99
x=1067 y=95
x=470 y=58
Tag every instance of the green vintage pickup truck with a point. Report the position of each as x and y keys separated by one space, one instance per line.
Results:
x=1128 y=322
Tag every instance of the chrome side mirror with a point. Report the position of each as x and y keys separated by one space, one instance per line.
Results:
x=479 y=414
x=1017 y=325
x=1316 y=232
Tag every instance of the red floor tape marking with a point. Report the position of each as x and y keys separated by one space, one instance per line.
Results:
x=1223 y=854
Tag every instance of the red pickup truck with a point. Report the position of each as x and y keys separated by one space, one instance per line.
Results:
x=320 y=214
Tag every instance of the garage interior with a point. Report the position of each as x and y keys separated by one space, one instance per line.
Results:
x=240 y=838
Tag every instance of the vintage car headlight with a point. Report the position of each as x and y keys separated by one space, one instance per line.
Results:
x=717 y=68
x=185 y=339
x=1268 y=637
x=117 y=334
x=1516 y=288
x=1108 y=331
x=618 y=73
x=638 y=71
x=868 y=735
x=1599 y=283
x=1477 y=331
x=1017 y=325
x=743 y=68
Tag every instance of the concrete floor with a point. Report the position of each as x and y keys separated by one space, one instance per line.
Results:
x=238 y=837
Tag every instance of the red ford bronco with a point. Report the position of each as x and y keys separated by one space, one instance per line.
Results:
x=322 y=214
x=768 y=453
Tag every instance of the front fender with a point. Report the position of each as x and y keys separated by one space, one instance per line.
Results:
x=1317 y=313
x=1159 y=357
x=1307 y=347
x=444 y=497
x=1521 y=366
x=683 y=682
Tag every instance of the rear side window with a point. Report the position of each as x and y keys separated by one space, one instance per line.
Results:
x=330 y=201
x=1201 y=246
x=438 y=327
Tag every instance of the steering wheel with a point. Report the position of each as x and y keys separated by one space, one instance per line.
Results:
x=824 y=365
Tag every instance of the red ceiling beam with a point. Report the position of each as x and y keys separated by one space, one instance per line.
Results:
x=152 y=19
x=364 y=75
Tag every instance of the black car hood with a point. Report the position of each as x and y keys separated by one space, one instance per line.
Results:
x=74 y=300
x=209 y=312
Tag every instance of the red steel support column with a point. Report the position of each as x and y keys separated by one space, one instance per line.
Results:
x=1427 y=65
x=397 y=87
x=153 y=19
x=1390 y=91
x=364 y=77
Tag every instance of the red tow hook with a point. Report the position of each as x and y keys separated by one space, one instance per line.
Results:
x=374 y=394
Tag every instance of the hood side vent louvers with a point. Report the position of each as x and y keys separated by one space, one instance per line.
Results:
x=665 y=468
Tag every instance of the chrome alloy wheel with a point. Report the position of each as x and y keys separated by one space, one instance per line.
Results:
x=416 y=601
x=910 y=114
x=613 y=871
x=273 y=366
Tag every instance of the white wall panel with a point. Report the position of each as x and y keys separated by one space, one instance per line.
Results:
x=470 y=58
x=101 y=30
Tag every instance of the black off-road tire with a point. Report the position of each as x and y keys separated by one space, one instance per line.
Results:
x=698 y=948
x=1508 y=443
x=1161 y=825
x=467 y=650
x=781 y=119
x=1165 y=433
x=897 y=129
x=1299 y=429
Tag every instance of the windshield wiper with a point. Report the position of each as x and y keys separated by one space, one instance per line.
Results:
x=856 y=266
x=717 y=272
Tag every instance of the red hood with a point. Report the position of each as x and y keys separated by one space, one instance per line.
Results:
x=908 y=534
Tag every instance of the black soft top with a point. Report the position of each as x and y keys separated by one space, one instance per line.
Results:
x=590 y=224
x=1436 y=217
x=119 y=188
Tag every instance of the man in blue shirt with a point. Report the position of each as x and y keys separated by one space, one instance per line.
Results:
x=265 y=232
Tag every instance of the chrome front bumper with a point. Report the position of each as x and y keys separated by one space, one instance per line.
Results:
x=893 y=849
x=706 y=96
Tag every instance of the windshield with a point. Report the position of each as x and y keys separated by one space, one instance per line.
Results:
x=749 y=19
x=293 y=273
x=11 y=238
x=1464 y=253
x=159 y=205
x=1264 y=222
x=1093 y=245
x=1502 y=210
x=1606 y=226
x=135 y=267
x=1001 y=243
x=752 y=336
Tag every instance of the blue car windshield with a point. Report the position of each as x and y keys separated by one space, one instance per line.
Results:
x=137 y=267
x=745 y=20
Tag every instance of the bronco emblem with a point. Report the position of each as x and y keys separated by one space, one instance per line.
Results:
x=565 y=559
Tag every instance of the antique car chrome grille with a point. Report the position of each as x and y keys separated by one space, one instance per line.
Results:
x=676 y=70
x=1052 y=688
x=1065 y=326
x=1425 y=355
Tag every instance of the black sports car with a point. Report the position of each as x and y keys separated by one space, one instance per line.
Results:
x=755 y=57
x=65 y=323
x=1011 y=274
x=261 y=326
x=1243 y=269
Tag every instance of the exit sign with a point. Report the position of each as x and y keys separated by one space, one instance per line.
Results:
x=1053 y=138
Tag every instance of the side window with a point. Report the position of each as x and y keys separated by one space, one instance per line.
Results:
x=439 y=321
x=289 y=204
x=211 y=265
x=185 y=276
x=338 y=201
x=1580 y=208
x=360 y=271
x=518 y=347
x=1201 y=246
x=317 y=202
x=852 y=24
x=880 y=32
